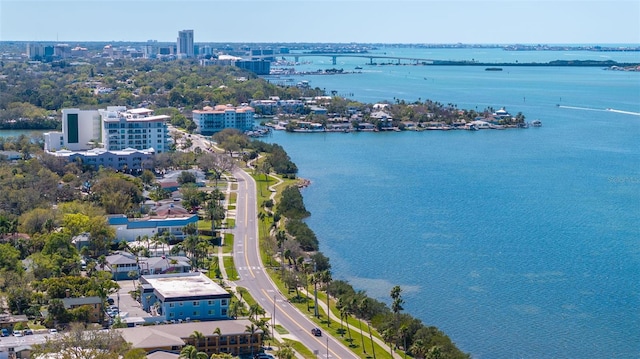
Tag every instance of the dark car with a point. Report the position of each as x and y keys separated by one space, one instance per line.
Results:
x=28 y=332
x=317 y=332
x=110 y=301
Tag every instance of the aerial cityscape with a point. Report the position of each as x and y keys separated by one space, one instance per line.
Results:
x=262 y=192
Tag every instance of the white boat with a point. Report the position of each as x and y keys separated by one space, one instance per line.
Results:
x=536 y=123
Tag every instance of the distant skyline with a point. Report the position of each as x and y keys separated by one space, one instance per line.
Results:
x=417 y=21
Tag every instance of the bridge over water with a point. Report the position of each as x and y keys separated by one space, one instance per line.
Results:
x=334 y=57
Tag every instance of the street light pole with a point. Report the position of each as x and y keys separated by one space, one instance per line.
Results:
x=273 y=320
x=327 y=347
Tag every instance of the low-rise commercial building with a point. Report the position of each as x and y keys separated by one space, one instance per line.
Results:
x=184 y=296
x=232 y=338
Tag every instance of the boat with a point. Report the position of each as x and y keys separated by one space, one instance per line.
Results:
x=358 y=68
x=536 y=123
x=493 y=69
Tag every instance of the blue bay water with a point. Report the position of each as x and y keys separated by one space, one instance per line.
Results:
x=517 y=243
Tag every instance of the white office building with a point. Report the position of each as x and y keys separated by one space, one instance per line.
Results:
x=80 y=128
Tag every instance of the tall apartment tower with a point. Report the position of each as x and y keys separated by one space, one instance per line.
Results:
x=185 y=43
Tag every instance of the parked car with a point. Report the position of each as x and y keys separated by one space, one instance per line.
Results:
x=317 y=332
x=110 y=301
x=263 y=356
x=17 y=333
x=53 y=331
x=28 y=332
x=4 y=332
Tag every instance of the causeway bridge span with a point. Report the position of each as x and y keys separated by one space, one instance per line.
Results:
x=335 y=56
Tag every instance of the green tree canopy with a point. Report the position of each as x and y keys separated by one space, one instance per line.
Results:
x=291 y=204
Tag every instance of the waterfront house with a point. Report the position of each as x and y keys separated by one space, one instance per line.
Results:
x=384 y=118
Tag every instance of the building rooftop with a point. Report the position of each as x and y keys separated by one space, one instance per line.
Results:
x=171 y=334
x=180 y=286
x=70 y=302
x=121 y=258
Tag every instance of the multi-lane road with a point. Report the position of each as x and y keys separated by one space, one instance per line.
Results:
x=253 y=277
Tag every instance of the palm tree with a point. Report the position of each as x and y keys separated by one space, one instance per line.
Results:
x=325 y=277
x=434 y=353
x=315 y=279
x=241 y=291
x=364 y=307
x=217 y=332
x=356 y=304
x=262 y=217
x=387 y=336
x=235 y=308
x=345 y=312
x=255 y=310
x=419 y=349
x=190 y=245
x=251 y=329
x=340 y=307
x=403 y=331
x=191 y=352
x=197 y=337
x=285 y=351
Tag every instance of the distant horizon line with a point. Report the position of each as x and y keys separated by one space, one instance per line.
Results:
x=151 y=41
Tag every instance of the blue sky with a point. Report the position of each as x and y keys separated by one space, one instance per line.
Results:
x=417 y=21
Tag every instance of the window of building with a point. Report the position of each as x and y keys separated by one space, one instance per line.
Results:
x=224 y=312
x=171 y=315
x=171 y=305
x=196 y=313
x=196 y=303
x=211 y=312
x=181 y=304
x=180 y=314
x=209 y=302
x=223 y=302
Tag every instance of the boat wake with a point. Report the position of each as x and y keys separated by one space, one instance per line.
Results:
x=624 y=112
x=600 y=109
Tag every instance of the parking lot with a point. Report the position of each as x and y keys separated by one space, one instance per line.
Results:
x=129 y=307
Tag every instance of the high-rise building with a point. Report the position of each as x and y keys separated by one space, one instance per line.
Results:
x=211 y=120
x=185 y=43
x=113 y=137
x=135 y=128
x=35 y=51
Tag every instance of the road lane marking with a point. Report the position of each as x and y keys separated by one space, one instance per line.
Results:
x=300 y=326
x=246 y=258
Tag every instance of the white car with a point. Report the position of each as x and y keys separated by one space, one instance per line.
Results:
x=17 y=333
x=53 y=331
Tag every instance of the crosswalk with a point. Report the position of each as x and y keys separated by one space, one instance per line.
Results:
x=250 y=268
